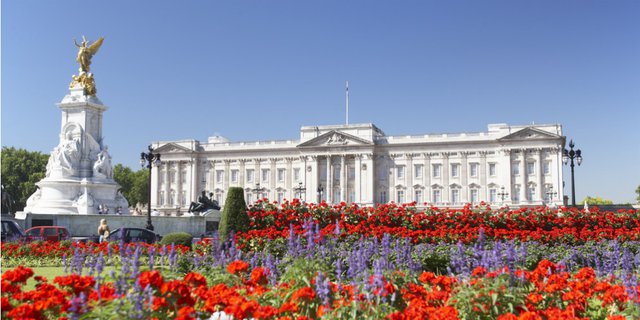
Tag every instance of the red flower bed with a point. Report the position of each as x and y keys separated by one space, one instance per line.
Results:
x=444 y=225
x=547 y=292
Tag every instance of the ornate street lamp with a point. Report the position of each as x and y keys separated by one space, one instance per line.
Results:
x=502 y=194
x=149 y=159
x=570 y=155
x=258 y=190
x=320 y=192
x=300 y=190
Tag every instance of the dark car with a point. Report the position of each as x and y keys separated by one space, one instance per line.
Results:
x=11 y=231
x=48 y=233
x=134 y=235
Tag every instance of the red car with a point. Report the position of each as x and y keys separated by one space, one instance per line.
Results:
x=48 y=233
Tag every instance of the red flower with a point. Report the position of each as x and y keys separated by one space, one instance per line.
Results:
x=152 y=278
x=237 y=266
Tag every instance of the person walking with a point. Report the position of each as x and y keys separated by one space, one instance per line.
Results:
x=103 y=230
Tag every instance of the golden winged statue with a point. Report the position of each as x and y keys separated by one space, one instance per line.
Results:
x=86 y=52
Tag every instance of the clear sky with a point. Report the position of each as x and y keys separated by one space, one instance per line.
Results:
x=256 y=70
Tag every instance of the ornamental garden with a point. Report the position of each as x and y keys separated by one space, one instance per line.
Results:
x=294 y=260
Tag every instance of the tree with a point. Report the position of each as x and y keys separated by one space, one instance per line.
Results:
x=595 y=201
x=21 y=169
x=638 y=192
x=234 y=215
x=133 y=185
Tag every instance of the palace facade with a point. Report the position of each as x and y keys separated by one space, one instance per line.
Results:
x=506 y=165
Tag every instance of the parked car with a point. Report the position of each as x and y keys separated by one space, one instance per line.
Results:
x=11 y=231
x=134 y=235
x=48 y=233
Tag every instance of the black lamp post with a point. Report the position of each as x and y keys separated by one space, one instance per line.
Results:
x=300 y=190
x=258 y=190
x=320 y=191
x=149 y=159
x=570 y=155
x=503 y=194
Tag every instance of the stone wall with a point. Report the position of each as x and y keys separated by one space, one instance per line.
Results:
x=87 y=225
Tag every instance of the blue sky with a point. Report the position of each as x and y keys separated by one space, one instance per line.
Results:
x=254 y=70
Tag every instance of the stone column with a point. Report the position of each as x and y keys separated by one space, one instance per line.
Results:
x=408 y=178
x=358 y=179
x=167 y=183
x=483 y=172
x=446 y=172
x=273 y=195
x=426 y=177
x=464 y=177
x=179 y=183
x=540 y=192
x=343 y=179
x=505 y=175
x=241 y=173
x=370 y=181
x=329 y=187
x=227 y=174
x=288 y=179
x=155 y=181
x=523 y=174
x=314 y=179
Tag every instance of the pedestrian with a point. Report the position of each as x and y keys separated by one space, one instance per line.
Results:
x=103 y=230
x=119 y=210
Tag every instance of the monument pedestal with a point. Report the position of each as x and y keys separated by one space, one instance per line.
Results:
x=79 y=178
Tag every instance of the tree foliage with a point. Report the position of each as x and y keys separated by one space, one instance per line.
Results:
x=595 y=201
x=21 y=169
x=234 y=215
x=638 y=192
x=134 y=185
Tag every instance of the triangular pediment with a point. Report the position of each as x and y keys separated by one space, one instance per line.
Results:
x=171 y=148
x=335 y=138
x=529 y=133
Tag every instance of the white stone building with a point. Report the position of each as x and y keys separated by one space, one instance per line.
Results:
x=506 y=165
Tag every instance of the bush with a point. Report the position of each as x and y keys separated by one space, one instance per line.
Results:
x=177 y=238
x=234 y=216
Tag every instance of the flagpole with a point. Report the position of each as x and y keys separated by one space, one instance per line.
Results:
x=347 y=102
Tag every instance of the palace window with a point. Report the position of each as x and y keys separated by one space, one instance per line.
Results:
x=250 y=175
x=172 y=176
x=383 y=197
x=296 y=174
x=531 y=167
x=455 y=196
x=531 y=193
x=546 y=167
x=473 y=193
x=455 y=168
x=161 y=200
x=352 y=172
x=400 y=196
x=492 y=169
x=219 y=176
x=280 y=197
x=435 y=196
x=183 y=176
x=437 y=168
x=400 y=172
x=265 y=175
x=234 y=175
x=515 y=168
x=418 y=196
x=473 y=169
x=281 y=175
x=417 y=171
x=493 y=195
x=516 y=193
x=336 y=173
x=183 y=198
x=172 y=196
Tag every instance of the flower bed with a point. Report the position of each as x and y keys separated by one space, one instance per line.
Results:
x=547 y=292
x=306 y=261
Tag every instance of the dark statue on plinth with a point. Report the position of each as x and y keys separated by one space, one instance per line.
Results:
x=204 y=203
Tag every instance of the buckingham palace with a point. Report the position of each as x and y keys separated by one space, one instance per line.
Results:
x=358 y=163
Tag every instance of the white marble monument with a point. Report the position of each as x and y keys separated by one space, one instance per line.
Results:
x=79 y=177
